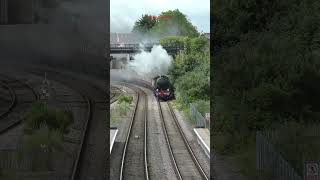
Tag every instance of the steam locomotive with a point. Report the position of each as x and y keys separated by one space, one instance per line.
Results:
x=162 y=87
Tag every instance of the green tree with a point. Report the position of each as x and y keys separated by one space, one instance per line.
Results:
x=195 y=54
x=173 y=40
x=176 y=25
x=266 y=67
x=144 y=24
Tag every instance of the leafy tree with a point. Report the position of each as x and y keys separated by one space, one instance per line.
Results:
x=266 y=67
x=196 y=53
x=177 y=25
x=173 y=40
x=144 y=24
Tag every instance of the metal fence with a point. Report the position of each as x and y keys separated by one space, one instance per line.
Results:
x=22 y=169
x=270 y=163
x=197 y=117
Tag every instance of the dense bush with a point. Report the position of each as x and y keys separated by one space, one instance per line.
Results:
x=54 y=118
x=41 y=148
x=125 y=99
x=270 y=73
x=124 y=104
x=266 y=69
x=173 y=40
x=190 y=70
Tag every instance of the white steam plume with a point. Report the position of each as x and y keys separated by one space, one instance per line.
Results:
x=150 y=64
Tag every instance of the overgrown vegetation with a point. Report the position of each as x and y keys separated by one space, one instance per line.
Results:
x=7 y=174
x=43 y=140
x=266 y=70
x=190 y=71
x=124 y=104
x=55 y=119
x=42 y=148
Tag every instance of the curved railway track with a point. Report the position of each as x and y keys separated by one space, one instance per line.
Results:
x=134 y=163
x=185 y=163
x=90 y=162
x=21 y=94
x=4 y=98
x=114 y=96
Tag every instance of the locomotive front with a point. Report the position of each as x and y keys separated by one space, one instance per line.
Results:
x=163 y=88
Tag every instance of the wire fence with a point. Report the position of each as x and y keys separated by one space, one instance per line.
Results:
x=197 y=117
x=270 y=163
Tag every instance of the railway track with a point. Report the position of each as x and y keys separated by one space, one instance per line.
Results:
x=91 y=160
x=22 y=95
x=184 y=161
x=114 y=96
x=134 y=164
x=8 y=98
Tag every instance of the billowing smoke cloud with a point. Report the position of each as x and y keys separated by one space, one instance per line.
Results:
x=150 y=64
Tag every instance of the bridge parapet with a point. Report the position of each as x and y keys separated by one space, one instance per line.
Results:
x=134 y=48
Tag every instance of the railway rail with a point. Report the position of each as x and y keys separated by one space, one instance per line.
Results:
x=4 y=98
x=114 y=96
x=22 y=95
x=134 y=162
x=183 y=159
x=89 y=163
x=185 y=163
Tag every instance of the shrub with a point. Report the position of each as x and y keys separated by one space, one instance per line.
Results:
x=54 y=118
x=125 y=99
x=41 y=148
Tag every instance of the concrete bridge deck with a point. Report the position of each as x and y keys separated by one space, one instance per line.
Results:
x=136 y=48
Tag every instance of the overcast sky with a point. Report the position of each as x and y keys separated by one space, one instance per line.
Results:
x=125 y=12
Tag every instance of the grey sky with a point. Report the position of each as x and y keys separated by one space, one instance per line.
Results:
x=125 y=12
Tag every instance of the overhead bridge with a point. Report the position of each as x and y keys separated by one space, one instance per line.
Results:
x=136 y=48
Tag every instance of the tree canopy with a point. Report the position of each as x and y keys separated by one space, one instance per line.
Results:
x=190 y=70
x=266 y=70
x=176 y=24
x=144 y=24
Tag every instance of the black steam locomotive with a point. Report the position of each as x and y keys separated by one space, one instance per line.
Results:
x=163 y=89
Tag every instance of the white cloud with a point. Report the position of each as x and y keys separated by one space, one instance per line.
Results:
x=123 y=13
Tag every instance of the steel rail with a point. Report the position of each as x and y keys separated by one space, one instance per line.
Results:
x=165 y=131
x=195 y=160
x=76 y=166
x=128 y=136
x=145 y=147
x=13 y=100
